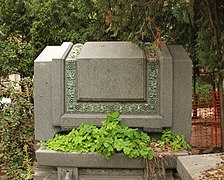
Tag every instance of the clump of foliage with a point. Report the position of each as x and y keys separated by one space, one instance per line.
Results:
x=16 y=57
x=202 y=87
x=28 y=164
x=169 y=142
x=174 y=140
x=17 y=130
x=111 y=137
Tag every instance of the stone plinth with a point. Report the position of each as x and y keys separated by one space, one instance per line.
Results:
x=88 y=166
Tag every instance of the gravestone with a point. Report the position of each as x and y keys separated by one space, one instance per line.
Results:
x=77 y=83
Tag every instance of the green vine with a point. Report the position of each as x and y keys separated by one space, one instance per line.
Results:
x=110 y=138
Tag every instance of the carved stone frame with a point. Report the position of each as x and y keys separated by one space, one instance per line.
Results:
x=152 y=116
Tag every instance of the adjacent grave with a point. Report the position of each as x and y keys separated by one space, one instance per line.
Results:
x=77 y=83
x=192 y=167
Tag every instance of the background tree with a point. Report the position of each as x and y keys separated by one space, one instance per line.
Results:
x=16 y=57
x=196 y=25
x=16 y=53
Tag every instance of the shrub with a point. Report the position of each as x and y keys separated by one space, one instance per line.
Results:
x=17 y=129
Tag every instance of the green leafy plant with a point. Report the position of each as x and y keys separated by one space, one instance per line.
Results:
x=17 y=129
x=174 y=140
x=111 y=137
x=28 y=162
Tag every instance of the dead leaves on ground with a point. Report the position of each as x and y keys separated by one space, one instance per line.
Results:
x=214 y=173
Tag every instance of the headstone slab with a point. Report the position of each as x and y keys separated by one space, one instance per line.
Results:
x=111 y=71
x=107 y=103
x=77 y=84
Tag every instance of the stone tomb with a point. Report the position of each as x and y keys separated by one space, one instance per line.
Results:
x=77 y=83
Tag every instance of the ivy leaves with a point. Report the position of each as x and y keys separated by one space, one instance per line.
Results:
x=109 y=139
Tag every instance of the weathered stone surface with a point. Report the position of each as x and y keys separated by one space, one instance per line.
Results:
x=86 y=165
x=45 y=173
x=105 y=174
x=110 y=178
x=155 y=113
x=182 y=91
x=111 y=71
x=111 y=50
x=67 y=173
x=109 y=172
x=56 y=158
x=165 y=86
x=167 y=89
x=77 y=84
x=47 y=96
x=152 y=121
x=58 y=84
x=88 y=160
x=166 y=92
x=190 y=167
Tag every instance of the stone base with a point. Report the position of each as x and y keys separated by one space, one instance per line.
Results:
x=85 y=166
x=65 y=173
x=45 y=173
